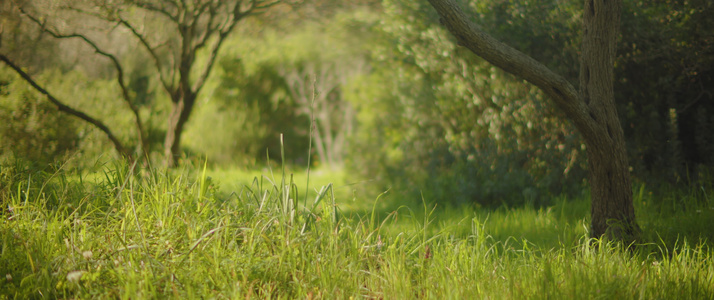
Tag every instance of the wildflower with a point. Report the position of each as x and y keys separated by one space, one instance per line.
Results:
x=74 y=276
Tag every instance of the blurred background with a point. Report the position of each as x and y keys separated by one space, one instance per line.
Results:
x=375 y=89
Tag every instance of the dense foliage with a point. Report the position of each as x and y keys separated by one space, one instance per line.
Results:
x=29 y=128
x=470 y=132
x=666 y=88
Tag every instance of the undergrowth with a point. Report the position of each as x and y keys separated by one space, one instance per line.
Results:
x=134 y=235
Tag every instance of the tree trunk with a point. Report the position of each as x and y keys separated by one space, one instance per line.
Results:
x=180 y=113
x=612 y=211
x=592 y=110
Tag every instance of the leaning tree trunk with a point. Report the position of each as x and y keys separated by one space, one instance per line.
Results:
x=592 y=110
x=612 y=211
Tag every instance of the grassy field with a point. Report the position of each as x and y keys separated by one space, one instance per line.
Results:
x=232 y=234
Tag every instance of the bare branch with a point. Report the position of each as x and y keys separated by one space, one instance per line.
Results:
x=183 y=5
x=168 y=86
x=120 y=72
x=261 y=6
x=209 y=30
x=172 y=3
x=173 y=16
x=89 y=42
x=225 y=30
x=209 y=65
x=201 y=9
x=66 y=109
x=81 y=11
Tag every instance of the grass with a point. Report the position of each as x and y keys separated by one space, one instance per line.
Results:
x=238 y=234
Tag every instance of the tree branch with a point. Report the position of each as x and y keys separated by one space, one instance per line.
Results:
x=209 y=65
x=261 y=6
x=209 y=30
x=66 y=109
x=223 y=33
x=168 y=86
x=120 y=73
x=163 y=11
x=515 y=62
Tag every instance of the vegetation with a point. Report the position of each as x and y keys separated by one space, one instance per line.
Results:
x=66 y=234
x=337 y=149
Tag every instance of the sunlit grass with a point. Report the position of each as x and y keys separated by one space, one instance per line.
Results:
x=355 y=196
x=240 y=234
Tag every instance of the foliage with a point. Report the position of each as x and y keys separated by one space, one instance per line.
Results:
x=32 y=129
x=489 y=138
x=122 y=235
x=24 y=42
x=461 y=120
x=277 y=82
x=181 y=41
x=251 y=105
x=665 y=88
x=36 y=131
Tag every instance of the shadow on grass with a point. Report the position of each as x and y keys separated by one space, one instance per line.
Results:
x=666 y=224
x=666 y=221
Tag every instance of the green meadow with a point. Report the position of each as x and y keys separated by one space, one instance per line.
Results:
x=230 y=234
x=356 y=149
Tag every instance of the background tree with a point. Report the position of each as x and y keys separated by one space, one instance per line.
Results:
x=592 y=110
x=183 y=53
x=252 y=106
x=498 y=154
x=284 y=77
x=317 y=81
x=665 y=84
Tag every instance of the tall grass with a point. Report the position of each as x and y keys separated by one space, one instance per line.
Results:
x=162 y=235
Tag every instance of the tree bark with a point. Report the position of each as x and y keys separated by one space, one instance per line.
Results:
x=612 y=211
x=592 y=110
x=180 y=113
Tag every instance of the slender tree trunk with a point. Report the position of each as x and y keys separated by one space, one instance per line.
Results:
x=612 y=210
x=180 y=113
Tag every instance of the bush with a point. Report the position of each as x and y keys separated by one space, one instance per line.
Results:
x=32 y=128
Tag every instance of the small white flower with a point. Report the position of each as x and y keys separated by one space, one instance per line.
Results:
x=8 y=276
x=87 y=254
x=74 y=276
